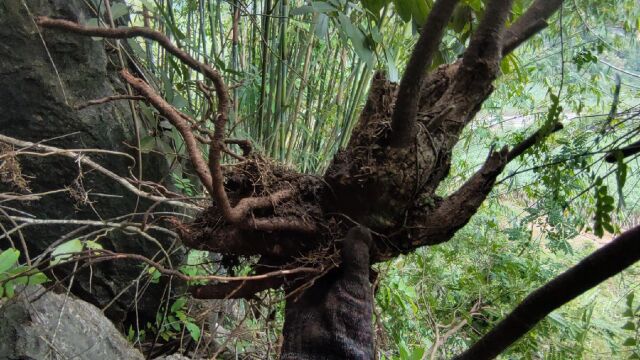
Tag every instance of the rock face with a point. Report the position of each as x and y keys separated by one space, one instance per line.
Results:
x=54 y=326
x=37 y=101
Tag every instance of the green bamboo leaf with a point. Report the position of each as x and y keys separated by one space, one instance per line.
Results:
x=316 y=6
x=119 y=10
x=419 y=11
x=403 y=8
x=374 y=6
x=357 y=38
x=321 y=25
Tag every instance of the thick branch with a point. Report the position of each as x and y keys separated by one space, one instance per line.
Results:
x=532 y=140
x=486 y=44
x=606 y=262
x=404 y=116
x=625 y=152
x=529 y=24
x=174 y=117
x=464 y=203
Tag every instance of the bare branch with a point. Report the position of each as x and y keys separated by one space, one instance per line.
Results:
x=529 y=24
x=87 y=161
x=281 y=224
x=236 y=290
x=109 y=255
x=606 y=262
x=404 y=116
x=109 y=99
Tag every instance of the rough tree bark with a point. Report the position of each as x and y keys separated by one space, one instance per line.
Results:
x=385 y=180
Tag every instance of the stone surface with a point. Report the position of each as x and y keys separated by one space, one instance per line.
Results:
x=173 y=357
x=56 y=326
x=35 y=104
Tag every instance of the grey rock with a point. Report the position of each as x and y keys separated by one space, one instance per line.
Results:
x=173 y=357
x=56 y=326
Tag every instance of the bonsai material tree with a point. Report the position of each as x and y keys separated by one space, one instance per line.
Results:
x=317 y=237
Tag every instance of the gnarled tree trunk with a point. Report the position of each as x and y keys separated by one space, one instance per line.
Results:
x=385 y=180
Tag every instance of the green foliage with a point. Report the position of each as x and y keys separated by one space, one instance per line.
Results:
x=631 y=328
x=604 y=207
x=185 y=185
x=173 y=324
x=13 y=274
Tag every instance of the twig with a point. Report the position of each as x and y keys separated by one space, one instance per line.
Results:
x=87 y=161
x=109 y=99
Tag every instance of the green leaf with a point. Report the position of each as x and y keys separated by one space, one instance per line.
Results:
x=119 y=10
x=147 y=144
x=629 y=326
x=321 y=25
x=417 y=353
x=374 y=6
x=194 y=330
x=629 y=342
x=357 y=38
x=93 y=245
x=403 y=8
x=37 y=279
x=65 y=251
x=8 y=259
x=9 y=289
x=178 y=304
x=419 y=11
